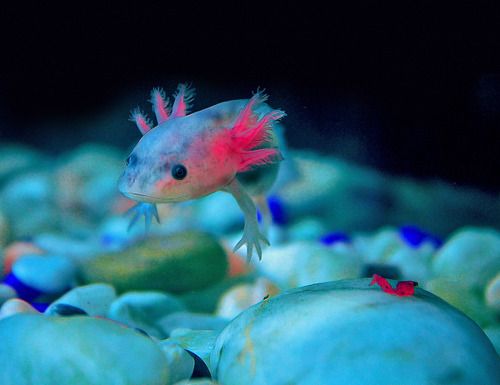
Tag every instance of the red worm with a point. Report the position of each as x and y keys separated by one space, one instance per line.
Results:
x=403 y=288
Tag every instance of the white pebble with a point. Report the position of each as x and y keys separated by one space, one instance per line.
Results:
x=14 y=306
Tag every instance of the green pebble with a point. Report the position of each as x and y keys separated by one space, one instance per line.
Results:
x=176 y=263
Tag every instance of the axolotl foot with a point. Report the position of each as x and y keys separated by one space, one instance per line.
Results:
x=251 y=234
x=149 y=211
x=251 y=238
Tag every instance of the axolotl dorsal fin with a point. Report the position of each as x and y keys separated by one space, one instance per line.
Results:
x=241 y=142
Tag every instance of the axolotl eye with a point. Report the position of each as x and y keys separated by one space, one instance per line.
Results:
x=179 y=172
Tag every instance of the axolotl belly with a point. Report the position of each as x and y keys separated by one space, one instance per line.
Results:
x=228 y=147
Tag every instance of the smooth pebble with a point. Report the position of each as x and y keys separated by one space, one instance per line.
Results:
x=14 y=306
x=197 y=321
x=94 y=299
x=355 y=334
x=180 y=362
x=144 y=310
x=77 y=351
x=48 y=273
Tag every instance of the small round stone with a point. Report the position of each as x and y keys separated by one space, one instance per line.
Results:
x=241 y=297
x=335 y=237
x=22 y=290
x=144 y=310
x=16 y=250
x=180 y=362
x=277 y=209
x=414 y=236
x=47 y=273
x=14 y=306
x=94 y=299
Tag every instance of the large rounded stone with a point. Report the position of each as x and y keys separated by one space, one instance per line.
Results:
x=77 y=351
x=348 y=332
x=175 y=263
x=471 y=255
x=463 y=298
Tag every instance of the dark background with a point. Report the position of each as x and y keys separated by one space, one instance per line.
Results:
x=412 y=88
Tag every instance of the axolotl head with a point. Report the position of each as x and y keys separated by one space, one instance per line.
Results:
x=186 y=157
x=174 y=163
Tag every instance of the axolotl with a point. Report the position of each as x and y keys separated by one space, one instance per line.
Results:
x=231 y=146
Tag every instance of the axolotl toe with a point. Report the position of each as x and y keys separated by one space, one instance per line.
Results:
x=230 y=147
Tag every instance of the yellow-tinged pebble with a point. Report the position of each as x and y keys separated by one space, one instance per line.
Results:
x=14 y=306
x=241 y=297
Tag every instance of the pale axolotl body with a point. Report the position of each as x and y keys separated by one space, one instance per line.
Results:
x=227 y=147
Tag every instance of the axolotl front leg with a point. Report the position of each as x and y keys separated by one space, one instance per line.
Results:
x=251 y=234
x=149 y=211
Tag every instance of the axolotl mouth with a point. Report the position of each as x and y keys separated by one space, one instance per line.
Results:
x=152 y=199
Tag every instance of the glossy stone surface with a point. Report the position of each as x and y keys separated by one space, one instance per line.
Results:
x=144 y=310
x=94 y=299
x=179 y=360
x=46 y=273
x=471 y=255
x=304 y=263
x=356 y=334
x=77 y=351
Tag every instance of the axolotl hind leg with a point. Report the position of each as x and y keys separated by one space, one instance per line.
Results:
x=251 y=234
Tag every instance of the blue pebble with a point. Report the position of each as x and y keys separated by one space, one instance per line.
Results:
x=277 y=210
x=414 y=236
x=335 y=237
x=24 y=292
x=40 y=306
x=259 y=216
